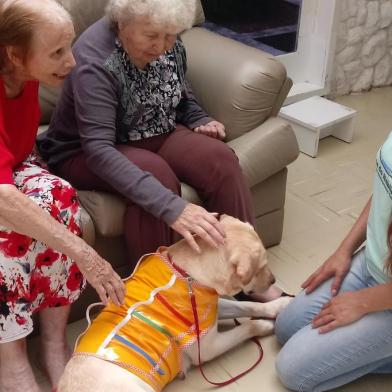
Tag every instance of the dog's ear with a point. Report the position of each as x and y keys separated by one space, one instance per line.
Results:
x=243 y=267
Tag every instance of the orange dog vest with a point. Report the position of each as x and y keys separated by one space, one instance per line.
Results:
x=148 y=333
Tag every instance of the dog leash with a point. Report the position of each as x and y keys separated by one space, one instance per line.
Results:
x=196 y=319
x=197 y=328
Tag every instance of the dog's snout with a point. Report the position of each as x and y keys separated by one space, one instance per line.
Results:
x=272 y=280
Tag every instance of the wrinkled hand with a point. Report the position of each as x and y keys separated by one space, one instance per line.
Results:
x=212 y=129
x=100 y=274
x=196 y=220
x=341 y=310
x=336 y=266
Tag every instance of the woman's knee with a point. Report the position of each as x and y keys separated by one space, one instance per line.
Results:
x=282 y=328
x=307 y=360
x=154 y=164
x=165 y=175
x=59 y=198
x=290 y=372
x=299 y=367
x=290 y=320
x=221 y=158
x=217 y=166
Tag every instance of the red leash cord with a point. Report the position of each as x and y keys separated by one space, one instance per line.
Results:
x=196 y=319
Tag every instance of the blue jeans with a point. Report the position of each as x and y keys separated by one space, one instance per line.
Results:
x=310 y=361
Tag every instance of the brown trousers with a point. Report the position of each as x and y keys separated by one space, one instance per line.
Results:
x=206 y=164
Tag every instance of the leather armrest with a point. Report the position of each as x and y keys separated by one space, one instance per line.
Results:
x=266 y=149
x=236 y=84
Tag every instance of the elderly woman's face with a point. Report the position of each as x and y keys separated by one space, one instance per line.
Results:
x=50 y=59
x=145 y=41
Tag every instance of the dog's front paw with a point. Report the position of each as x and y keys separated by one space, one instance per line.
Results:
x=273 y=308
x=262 y=327
x=277 y=305
x=269 y=309
x=280 y=304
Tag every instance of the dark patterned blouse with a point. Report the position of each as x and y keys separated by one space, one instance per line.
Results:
x=157 y=89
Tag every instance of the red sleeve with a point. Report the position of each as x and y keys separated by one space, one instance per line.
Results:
x=19 y=119
x=6 y=158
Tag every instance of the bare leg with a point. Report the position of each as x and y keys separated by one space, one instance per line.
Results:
x=229 y=309
x=16 y=374
x=55 y=350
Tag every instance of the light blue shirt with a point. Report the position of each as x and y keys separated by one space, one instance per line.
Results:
x=380 y=214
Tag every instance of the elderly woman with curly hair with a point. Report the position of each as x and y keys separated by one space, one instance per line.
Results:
x=41 y=253
x=127 y=123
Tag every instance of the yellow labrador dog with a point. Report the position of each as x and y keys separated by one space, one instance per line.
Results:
x=144 y=344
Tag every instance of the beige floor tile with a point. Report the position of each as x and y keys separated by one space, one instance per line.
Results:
x=264 y=376
x=302 y=213
x=215 y=371
x=283 y=267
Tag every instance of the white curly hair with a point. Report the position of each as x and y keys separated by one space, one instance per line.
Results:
x=179 y=14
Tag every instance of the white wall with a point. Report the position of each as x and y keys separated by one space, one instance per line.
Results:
x=363 y=57
x=310 y=66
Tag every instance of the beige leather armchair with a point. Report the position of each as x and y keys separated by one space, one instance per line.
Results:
x=240 y=86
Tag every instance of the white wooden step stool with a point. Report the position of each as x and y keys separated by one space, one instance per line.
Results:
x=315 y=118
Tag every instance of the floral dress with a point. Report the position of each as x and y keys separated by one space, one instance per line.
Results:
x=32 y=275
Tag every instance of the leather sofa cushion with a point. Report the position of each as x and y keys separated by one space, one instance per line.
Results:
x=107 y=210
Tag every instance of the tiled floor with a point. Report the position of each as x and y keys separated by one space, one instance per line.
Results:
x=324 y=196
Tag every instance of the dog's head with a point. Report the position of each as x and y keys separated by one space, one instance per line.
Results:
x=244 y=260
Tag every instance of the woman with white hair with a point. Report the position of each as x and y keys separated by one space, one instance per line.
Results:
x=127 y=122
x=41 y=254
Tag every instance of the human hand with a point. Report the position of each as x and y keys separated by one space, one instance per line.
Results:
x=213 y=129
x=196 y=220
x=341 y=310
x=337 y=266
x=100 y=274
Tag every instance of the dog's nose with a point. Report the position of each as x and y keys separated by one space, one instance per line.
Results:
x=273 y=280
